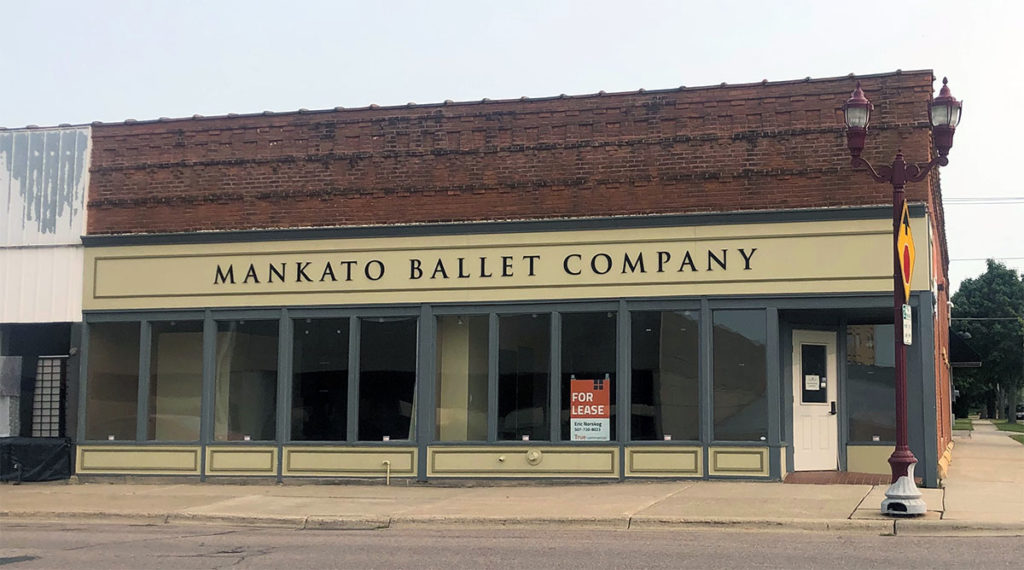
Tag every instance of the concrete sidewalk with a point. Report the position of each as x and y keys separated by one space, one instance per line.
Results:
x=986 y=478
x=984 y=495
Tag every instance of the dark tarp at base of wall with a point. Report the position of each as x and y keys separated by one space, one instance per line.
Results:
x=35 y=458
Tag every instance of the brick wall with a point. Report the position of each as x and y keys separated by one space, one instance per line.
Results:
x=709 y=149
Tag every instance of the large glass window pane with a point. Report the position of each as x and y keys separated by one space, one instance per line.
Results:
x=665 y=380
x=524 y=364
x=589 y=353
x=739 y=376
x=462 y=378
x=387 y=378
x=870 y=383
x=175 y=381
x=246 y=399
x=320 y=380
x=112 y=401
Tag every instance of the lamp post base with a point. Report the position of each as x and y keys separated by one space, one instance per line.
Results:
x=902 y=498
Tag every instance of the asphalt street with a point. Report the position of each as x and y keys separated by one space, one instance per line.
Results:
x=59 y=546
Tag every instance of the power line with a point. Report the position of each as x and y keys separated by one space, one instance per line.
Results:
x=983 y=318
x=984 y=201
x=985 y=258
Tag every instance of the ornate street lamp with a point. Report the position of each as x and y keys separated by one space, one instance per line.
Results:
x=902 y=496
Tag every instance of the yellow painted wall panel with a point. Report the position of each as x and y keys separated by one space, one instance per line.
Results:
x=241 y=461
x=138 y=460
x=335 y=462
x=739 y=461
x=679 y=462
x=523 y=462
x=869 y=459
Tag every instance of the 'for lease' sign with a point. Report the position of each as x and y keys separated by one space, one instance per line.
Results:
x=590 y=409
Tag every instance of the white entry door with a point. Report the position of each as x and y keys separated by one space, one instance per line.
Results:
x=815 y=417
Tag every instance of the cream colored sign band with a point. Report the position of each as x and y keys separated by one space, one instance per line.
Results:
x=702 y=260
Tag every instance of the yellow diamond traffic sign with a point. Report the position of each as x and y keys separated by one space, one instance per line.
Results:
x=905 y=250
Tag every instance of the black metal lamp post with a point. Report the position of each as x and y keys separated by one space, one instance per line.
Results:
x=902 y=497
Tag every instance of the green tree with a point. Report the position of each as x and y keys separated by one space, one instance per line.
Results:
x=990 y=309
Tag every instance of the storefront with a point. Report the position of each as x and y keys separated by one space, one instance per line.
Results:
x=746 y=343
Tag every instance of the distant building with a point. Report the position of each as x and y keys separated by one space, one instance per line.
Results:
x=687 y=282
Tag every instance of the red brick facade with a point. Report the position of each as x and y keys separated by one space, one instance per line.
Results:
x=764 y=146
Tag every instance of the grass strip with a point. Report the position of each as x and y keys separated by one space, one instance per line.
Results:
x=1001 y=424
x=964 y=424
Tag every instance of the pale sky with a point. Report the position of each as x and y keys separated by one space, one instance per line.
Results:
x=82 y=61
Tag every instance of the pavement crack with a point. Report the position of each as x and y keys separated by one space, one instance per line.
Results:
x=861 y=502
x=630 y=515
x=117 y=542
x=16 y=559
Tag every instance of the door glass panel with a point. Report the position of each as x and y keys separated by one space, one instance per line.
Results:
x=814 y=380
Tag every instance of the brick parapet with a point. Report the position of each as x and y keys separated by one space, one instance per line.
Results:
x=730 y=148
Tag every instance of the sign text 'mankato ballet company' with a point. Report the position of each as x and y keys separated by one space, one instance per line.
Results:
x=484 y=267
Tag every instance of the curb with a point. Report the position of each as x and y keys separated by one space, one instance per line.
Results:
x=898 y=527
x=910 y=527
x=623 y=522
x=347 y=523
x=881 y=527
x=442 y=521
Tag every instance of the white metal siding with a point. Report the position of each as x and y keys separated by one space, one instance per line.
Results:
x=44 y=177
x=41 y=284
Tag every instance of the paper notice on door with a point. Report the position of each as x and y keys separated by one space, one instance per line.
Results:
x=812 y=382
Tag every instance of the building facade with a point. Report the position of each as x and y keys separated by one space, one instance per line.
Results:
x=44 y=177
x=679 y=283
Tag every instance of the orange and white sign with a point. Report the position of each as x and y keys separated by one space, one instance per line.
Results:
x=590 y=409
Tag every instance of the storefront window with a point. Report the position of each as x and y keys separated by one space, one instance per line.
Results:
x=387 y=378
x=524 y=363
x=665 y=389
x=739 y=376
x=175 y=381
x=870 y=384
x=111 y=408
x=320 y=380
x=462 y=378
x=588 y=356
x=246 y=388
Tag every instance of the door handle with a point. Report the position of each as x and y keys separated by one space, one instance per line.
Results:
x=833 y=409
